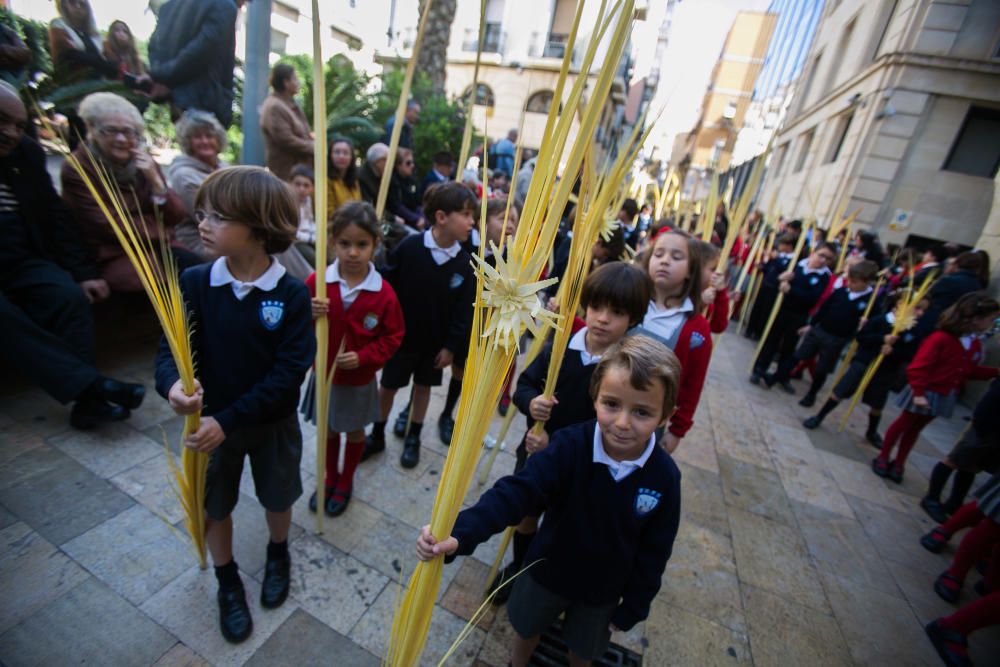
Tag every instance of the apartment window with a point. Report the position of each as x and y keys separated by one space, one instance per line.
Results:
x=484 y=95
x=279 y=42
x=779 y=158
x=539 y=102
x=976 y=150
x=807 y=88
x=805 y=147
x=842 y=50
x=840 y=134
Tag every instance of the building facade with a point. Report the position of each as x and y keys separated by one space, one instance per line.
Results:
x=897 y=115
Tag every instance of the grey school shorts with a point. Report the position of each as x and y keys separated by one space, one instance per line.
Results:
x=532 y=609
x=275 y=452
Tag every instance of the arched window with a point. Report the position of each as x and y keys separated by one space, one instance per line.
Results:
x=484 y=95
x=539 y=102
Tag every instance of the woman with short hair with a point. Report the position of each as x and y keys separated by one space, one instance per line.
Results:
x=287 y=139
x=202 y=139
x=114 y=137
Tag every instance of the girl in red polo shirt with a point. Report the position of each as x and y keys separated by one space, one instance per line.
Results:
x=366 y=318
x=946 y=359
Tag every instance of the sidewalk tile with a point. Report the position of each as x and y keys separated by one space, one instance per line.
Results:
x=109 y=450
x=755 y=490
x=677 y=637
x=181 y=656
x=304 y=640
x=784 y=633
x=151 y=484
x=702 y=500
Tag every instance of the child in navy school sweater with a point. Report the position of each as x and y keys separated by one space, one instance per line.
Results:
x=611 y=500
x=433 y=279
x=776 y=265
x=614 y=297
x=252 y=341
x=802 y=287
x=830 y=329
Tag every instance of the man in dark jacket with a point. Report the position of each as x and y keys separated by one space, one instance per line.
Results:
x=192 y=51
x=47 y=282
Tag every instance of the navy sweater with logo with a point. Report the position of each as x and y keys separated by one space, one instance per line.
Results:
x=872 y=336
x=251 y=356
x=572 y=389
x=805 y=289
x=602 y=542
x=839 y=316
x=436 y=298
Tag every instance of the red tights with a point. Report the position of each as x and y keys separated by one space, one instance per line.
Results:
x=905 y=429
x=975 y=615
x=976 y=546
x=967 y=516
x=341 y=483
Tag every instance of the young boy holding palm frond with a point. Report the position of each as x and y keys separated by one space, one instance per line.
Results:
x=252 y=342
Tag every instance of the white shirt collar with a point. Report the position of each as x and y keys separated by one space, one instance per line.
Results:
x=439 y=175
x=371 y=283
x=852 y=296
x=658 y=311
x=804 y=265
x=579 y=343
x=219 y=275
x=890 y=317
x=620 y=469
x=440 y=255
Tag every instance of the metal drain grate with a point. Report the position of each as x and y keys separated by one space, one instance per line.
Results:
x=552 y=652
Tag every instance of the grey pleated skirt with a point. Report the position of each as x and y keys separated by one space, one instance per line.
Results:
x=941 y=405
x=349 y=408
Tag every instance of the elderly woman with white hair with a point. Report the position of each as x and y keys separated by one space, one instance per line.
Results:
x=115 y=139
x=202 y=139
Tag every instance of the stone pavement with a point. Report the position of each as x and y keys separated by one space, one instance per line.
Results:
x=791 y=552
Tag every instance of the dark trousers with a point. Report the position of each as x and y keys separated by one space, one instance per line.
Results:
x=816 y=343
x=761 y=311
x=46 y=328
x=782 y=339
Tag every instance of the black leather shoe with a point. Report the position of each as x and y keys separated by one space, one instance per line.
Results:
x=811 y=423
x=327 y=493
x=334 y=507
x=234 y=614
x=411 y=452
x=808 y=400
x=941 y=638
x=121 y=393
x=399 y=426
x=87 y=413
x=373 y=445
x=874 y=439
x=446 y=427
x=755 y=379
x=786 y=386
x=934 y=509
x=277 y=576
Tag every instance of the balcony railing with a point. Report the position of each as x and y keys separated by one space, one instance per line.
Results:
x=493 y=39
x=548 y=45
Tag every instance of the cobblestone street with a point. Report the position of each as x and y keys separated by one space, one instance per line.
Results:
x=791 y=552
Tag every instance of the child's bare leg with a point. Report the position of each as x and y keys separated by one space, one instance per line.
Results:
x=523 y=648
x=577 y=661
x=385 y=398
x=278 y=523
x=421 y=397
x=219 y=539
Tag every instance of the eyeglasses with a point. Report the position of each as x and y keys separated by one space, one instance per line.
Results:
x=211 y=217
x=110 y=132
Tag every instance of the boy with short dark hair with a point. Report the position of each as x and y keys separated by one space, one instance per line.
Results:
x=802 y=286
x=251 y=336
x=611 y=499
x=433 y=279
x=831 y=328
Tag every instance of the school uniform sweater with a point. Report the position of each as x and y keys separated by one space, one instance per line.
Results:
x=986 y=416
x=718 y=312
x=372 y=326
x=436 y=298
x=572 y=389
x=840 y=315
x=773 y=268
x=602 y=542
x=805 y=289
x=250 y=356
x=942 y=365
x=871 y=338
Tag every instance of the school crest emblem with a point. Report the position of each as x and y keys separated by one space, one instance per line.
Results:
x=271 y=313
x=862 y=305
x=646 y=501
x=814 y=280
x=456 y=280
x=370 y=321
x=697 y=340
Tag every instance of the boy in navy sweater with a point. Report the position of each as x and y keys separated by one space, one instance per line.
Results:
x=831 y=328
x=252 y=341
x=611 y=499
x=436 y=287
x=802 y=286
x=615 y=298
x=776 y=265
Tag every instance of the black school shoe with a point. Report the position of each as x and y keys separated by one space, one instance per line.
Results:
x=234 y=614
x=411 y=451
x=399 y=426
x=277 y=577
x=941 y=638
x=334 y=507
x=373 y=445
x=874 y=439
x=755 y=379
x=808 y=400
x=935 y=541
x=812 y=423
x=446 y=428
x=125 y=394
x=934 y=509
x=88 y=412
